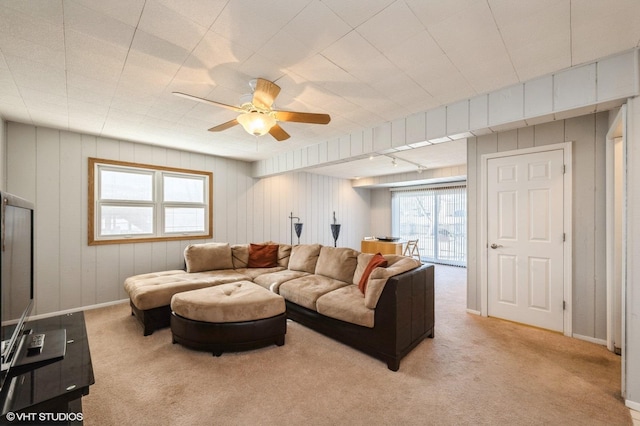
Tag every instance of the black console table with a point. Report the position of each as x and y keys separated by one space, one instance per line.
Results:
x=52 y=394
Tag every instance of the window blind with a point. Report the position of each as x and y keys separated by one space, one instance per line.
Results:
x=437 y=218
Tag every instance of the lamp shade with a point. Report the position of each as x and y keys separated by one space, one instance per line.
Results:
x=256 y=123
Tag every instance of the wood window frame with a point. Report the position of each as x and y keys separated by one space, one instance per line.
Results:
x=93 y=163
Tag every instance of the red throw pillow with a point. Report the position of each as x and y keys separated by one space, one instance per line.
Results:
x=263 y=255
x=376 y=260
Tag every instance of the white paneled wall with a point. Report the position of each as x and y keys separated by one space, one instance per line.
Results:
x=380 y=212
x=49 y=167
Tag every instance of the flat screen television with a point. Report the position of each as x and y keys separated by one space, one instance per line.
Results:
x=21 y=349
x=16 y=273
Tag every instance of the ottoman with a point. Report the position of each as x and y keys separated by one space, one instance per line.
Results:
x=228 y=317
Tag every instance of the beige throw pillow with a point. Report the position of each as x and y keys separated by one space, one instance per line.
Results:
x=338 y=263
x=379 y=276
x=284 y=253
x=363 y=261
x=240 y=255
x=304 y=257
x=208 y=257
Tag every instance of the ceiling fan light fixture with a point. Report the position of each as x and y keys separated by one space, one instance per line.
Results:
x=257 y=114
x=256 y=123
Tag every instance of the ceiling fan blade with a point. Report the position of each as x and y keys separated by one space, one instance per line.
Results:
x=224 y=126
x=264 y=93
x=207 y=101
x=278 y=133
x=302 y=117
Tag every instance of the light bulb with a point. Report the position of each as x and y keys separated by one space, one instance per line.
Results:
x=256 y=123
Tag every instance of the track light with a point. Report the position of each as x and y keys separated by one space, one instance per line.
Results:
x=394 y=162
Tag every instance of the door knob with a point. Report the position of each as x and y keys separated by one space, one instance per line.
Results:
x=495 y=246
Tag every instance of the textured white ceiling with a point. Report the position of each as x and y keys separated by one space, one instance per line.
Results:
x=108 y=67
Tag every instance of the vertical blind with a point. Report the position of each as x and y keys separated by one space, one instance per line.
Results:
x=437 y=218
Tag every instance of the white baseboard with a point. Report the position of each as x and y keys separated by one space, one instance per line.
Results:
x=474 y=312
x=633 y=405
x=590 y=339
x=70 y=311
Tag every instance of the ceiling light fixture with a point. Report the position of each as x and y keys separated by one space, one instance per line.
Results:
x=256 y=123
x=394 y=162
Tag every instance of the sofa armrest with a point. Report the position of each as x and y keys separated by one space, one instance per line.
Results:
x=405 y=312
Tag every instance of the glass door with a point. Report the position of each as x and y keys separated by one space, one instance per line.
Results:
x=437 y=218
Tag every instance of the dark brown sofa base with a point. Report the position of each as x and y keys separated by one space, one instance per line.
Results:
x=404 y=316
x=152 y=319
x=228 y=336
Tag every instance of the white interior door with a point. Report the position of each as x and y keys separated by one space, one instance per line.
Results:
x=525 y=238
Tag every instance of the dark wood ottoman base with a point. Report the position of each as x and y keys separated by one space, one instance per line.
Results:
x=228 y=336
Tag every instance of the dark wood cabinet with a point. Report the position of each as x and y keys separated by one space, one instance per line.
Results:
x=52 y=393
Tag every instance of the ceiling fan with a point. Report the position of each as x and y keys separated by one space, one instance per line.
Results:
x=256 y=114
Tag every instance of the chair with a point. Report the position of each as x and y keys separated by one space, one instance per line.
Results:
x=411 y=249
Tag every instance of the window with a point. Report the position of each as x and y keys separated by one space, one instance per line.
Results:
x=135 y=202
x=437 y=217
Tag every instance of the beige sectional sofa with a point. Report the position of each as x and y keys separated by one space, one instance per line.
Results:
x=386 y=314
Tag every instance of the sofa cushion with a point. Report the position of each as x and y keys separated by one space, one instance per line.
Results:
x=284 y=254
x=240 y=255
x=272 y=280
x=304 y=291
x=363 y=261
x=234 y=302
x=219 y=276
x=377 y=261
x=254 y=273
x=147 y=291
x=337 y=262
x=132 y=282
x=379 y=276
x=263 y=255
x=346 y=304
x=208 y=257
x=304 y=257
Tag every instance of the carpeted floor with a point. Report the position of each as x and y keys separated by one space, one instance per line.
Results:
x=475 y=371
